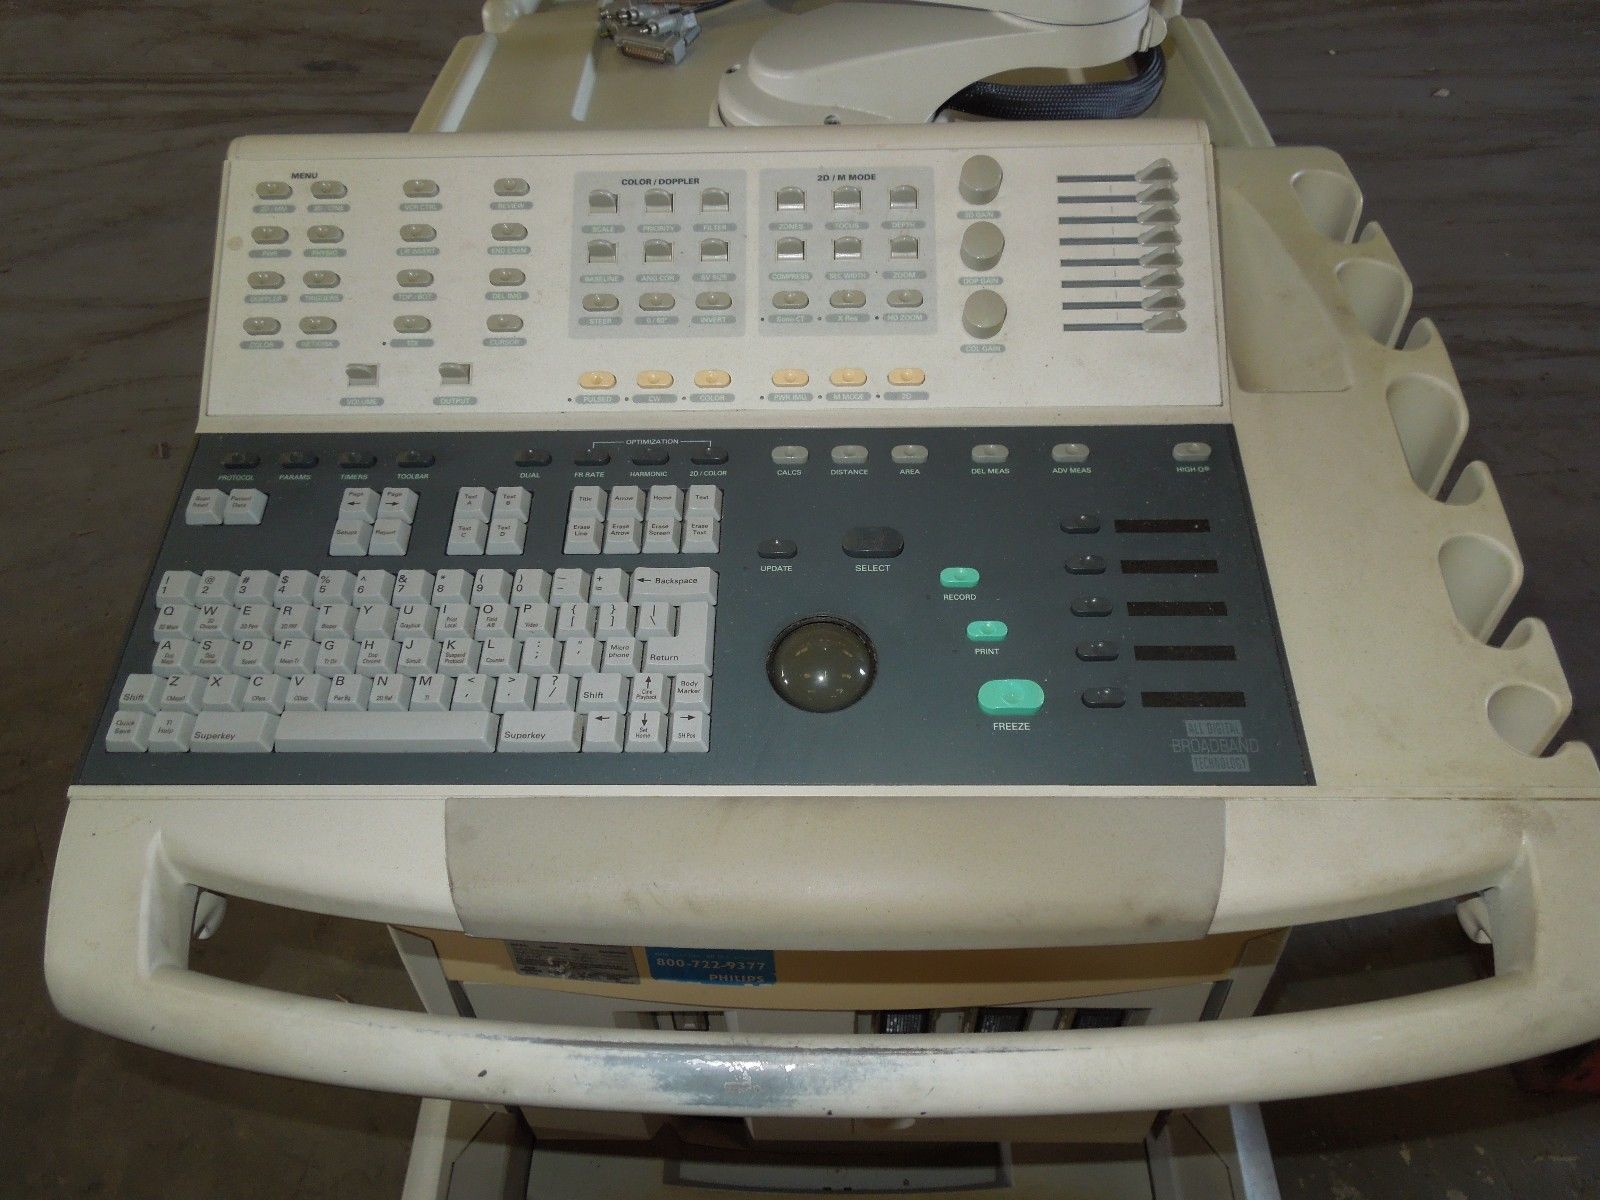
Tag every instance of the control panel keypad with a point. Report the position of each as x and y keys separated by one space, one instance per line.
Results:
x=663 y=519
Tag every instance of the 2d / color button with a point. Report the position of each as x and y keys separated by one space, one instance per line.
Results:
x=959 y=577
x=1010 y=698
x=986 y=631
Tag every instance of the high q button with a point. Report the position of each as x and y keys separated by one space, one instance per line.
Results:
x=1010 y=698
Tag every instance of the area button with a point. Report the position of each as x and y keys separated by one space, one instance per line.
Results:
x=1010 y=698
x=873 y=541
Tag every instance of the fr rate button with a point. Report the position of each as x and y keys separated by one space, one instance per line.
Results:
x=1010 y=698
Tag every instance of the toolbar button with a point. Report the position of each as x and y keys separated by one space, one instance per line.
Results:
x=1191 y=452
x=790 y=456
x=1010 y=698
x=985 y=632
x=415 y=460
x=959 y=578
x=597 y=380
x=712 y=379
x=908 y=455
x=907 y=376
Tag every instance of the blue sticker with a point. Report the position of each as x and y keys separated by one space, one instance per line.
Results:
x=728 y=968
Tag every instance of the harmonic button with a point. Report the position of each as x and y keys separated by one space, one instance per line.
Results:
x=713 y=301
x=791 y=249
x=657 y=250
x=847 y=196
x=847 y=247
x=713 y=200
x=654 y=379
x=907 y=376
x=414 y=277
x=902 y=195
x=656 y=302
x=503 y=277
x=508 y=231
x=600 y=302
x=848 y=298
x=712 y=378
x=790 y=377
x=597 y=380
x=510 y=186
x=318 y=325
x=713 y=250
x=416 y=231
x=321 y=279
x=601 y=251
x=904 y=245
x=274 y=190
x=269 y=235
x=1069 y=452
x=412 y=324
x=790 y=199
x=601 y=201
x=264 y=280
x=324 y=235
x=848 y=377
x=790 y=299
x=504 y=323
x=653 y=456
x=329 y=189
x=658 y=200
x=905 y=298
x=261 y=326
x=420 y=189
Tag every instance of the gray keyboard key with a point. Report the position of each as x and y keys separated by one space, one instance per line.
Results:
x=169 y=732
x=452 y=586
x=569 y=585
x=540 y=656
x=296 y=655
x=129 y=733
x=584 y=535
x=690 y=650
x=348 y=693
x=690 y=734
x=387 y=733
x=648 y=693
x=515 y=693
x=205 y=507
x=390 y=693
x=540 y=732
x=224 y=693
x=674 y=585
x=468 y=535
x=647 y=733
x=390 y=538
x=691 y=693
x=266 y=693
x=172 y=657
x=183 y=693
x=177 y=587
x=175 y=621
x=701 y=534
x=603 y=732
x=530 y=586
x=474 y=693
x=556 y=693
x=412 y=586
x=622 y=656
x=500 y=656
x=601 y=693
x=307 y=693
x=431 y=693
x=608 y=585
x=140 y=693
x=580 y=656
x=535 y=619
x=233 y=733
x=350 y=538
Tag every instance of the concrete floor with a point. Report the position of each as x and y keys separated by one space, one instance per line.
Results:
x=1471 y=125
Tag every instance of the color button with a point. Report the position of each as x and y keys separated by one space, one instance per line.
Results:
x=1010 y=698
x=712 y=378
x=986 y=631
x=959 y=577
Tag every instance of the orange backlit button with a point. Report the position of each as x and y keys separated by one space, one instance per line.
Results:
x=594 y=380
x=848 y=377
x=654 y=379
x=712 y=379
x=908 y=376
x=790 y=377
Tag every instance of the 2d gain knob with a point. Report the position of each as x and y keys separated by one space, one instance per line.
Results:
x=980 y=179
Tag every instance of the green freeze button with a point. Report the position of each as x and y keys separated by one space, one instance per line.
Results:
x=986 y=631
x=959 y=577
x=1010 y=698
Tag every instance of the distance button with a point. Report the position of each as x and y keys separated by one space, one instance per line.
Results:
x=849 y=456
x=1010 y=698
x=986 y=632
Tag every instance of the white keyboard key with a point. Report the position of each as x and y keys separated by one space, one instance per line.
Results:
x=183 y=693
x=506 y=536
x=701 y=534
x=418 y=656
x=297 y=620
x=173 y=656
x=431 y=693
x=587 y=501
x=294 y=587
x=212 y=656
x=569 y=585
x=691 y=733
x=224 y=693
x=348 y=693
x=556 y=692
x=473 y=503
x=580 y=656
x=510 y=503
x=335 y=656
x=540 y=656
x=177 y=587
x=691 y=692
x=245 y=506
x=574 y=620
x=495 y=619
x=377 y=656
x=205 y=507
x=608 y=585
x=214 y=620
x=534 y=619
x=266 y=693
x=335 y=587
x=413 y=587
x=613 y=620
x=690 y=649
x=372 y=587
x=297 y=655
x=601 y=693
x=603 y=732
x=468 y=535
x=491 y=586
x=456 y=621
x=390 y=693
x=661 y=536
x=415 y=620
x=654 y=620
x=626 y=501
x=334 y=620
x=350 y=538
x=647 y=733
x=705 y=498
x=514 y=693
x=540 y=732
x=375 y=620
x=216 y=587
x=623 y=656
x=169 y=733
x=359 y=504
x=174 y=621
x=255 y=656
x=499 y=656
x=254 y=587
x=307 y=693
x=397 y=504
x=452 y=586
x=666 y=500
x=387 y=733
x=233 y=733
x=390 y=538
x=648 y=693
x=129 y=733
x=674 y=585
x=474 y=693
x=530 y=586
x=624 y=535
x=255 y=620
x=584 y=535
x=458 y=656
x=141 y=693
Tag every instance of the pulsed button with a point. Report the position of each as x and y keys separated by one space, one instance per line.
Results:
x=595 y=381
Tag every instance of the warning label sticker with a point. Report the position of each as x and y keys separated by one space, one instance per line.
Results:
x=574 y=960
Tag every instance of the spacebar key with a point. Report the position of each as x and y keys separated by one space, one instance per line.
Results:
x=386 y=733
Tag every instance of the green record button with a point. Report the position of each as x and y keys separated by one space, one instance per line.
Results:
x=986 y=631
x=1010 y=698
x=959 y=577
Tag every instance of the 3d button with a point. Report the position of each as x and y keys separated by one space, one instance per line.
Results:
x=1010 y=698
x=872 y=541
x=961 y=578
x=986 y=631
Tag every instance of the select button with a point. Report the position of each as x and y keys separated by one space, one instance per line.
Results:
x=873 y=541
